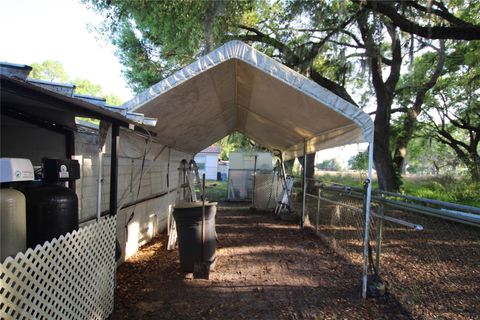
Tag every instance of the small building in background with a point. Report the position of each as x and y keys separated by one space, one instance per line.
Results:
x=223 y=167
x=243 y=166
x=244 y=160
x=207 y=161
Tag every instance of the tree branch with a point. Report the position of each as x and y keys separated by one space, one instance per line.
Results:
x=315 y=48
x=458 y=32
x=443 y=12
x=346 y=44
x=354 y=37
x=401 y=109
x=396 y=64
x=420 y=96
x=293 y=60
x=332 y=86
x=291 y=57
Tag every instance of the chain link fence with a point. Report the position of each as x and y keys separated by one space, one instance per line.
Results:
x=427 y=252
x=261 y=187
x=434 y=271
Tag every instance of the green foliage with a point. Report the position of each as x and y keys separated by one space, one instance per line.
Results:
x=237 y=141
x=359 y=161
x=216 y=190
x=112 y=99
x=453 y=115
x=426 y=156
x=84 y=86
x=141 y=69
x=330 y=165
x=49 y=70
x=156 y=38
x=420 y=73
x=54 y=71
x=346 y=179
x=444 y=188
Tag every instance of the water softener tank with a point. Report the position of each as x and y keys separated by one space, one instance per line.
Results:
x=52 y=211
x=13 y=230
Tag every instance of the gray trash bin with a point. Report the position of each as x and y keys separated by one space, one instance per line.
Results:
x=188 y=218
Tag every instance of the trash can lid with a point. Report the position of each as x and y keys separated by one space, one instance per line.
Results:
x=196 y=204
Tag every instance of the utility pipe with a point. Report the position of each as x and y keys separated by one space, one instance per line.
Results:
x=114 y=169
x=304 y=197
x=101 y=150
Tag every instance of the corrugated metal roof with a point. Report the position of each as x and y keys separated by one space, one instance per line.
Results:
x=21 y=95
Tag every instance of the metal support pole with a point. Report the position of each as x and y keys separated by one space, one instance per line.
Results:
x=114 y=170
x=254 y=180
x=366 y=209
x=378 y=251
x=169 y=215
x=70 y=152
x=101 y=150
x=317 y=216
x=304 y=198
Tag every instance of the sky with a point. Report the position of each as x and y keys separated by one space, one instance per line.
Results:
x=37 y=30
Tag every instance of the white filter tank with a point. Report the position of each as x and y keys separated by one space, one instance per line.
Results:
x=13 y=225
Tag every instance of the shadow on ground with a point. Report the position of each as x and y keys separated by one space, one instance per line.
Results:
x=266 y=269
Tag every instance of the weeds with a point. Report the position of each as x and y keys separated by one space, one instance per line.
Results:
x=444 y=188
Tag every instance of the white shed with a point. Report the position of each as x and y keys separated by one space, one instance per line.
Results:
x=246 y=160
x=207 y=161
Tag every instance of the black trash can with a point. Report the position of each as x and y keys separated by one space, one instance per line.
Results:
x=188 y=218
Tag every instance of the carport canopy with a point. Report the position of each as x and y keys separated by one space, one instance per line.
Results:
x=237 y=88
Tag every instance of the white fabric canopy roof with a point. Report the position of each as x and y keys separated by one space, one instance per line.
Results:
x=237 y=88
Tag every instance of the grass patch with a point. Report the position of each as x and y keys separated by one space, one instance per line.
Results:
x=444 y=188
x=216 y=190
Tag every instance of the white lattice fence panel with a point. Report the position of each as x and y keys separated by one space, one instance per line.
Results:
x=71 y=277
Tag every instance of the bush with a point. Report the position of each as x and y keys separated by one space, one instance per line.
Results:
x=330 y=165
x=359 y=161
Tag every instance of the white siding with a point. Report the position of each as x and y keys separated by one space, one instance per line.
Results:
x=209 y=161
x=149 y=217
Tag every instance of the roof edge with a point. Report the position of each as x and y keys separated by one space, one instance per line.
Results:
x=236 y=49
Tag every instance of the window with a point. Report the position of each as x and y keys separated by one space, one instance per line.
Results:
x=200 y=160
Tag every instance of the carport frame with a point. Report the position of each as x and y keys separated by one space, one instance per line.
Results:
x=360 y=127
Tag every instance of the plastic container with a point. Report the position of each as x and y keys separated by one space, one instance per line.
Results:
x=188 y=218
x=52 y=211
x=13 y=229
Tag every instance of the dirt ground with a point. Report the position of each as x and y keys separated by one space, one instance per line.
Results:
x=432 y=272
x=266 y=269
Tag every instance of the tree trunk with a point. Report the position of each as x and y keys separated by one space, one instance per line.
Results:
x=412 y=114
x=386 y=173
x=475 y=171
x=473 y=165
x=402 y=142
x=310 y=171
x=289 y=166
x=388 y=178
